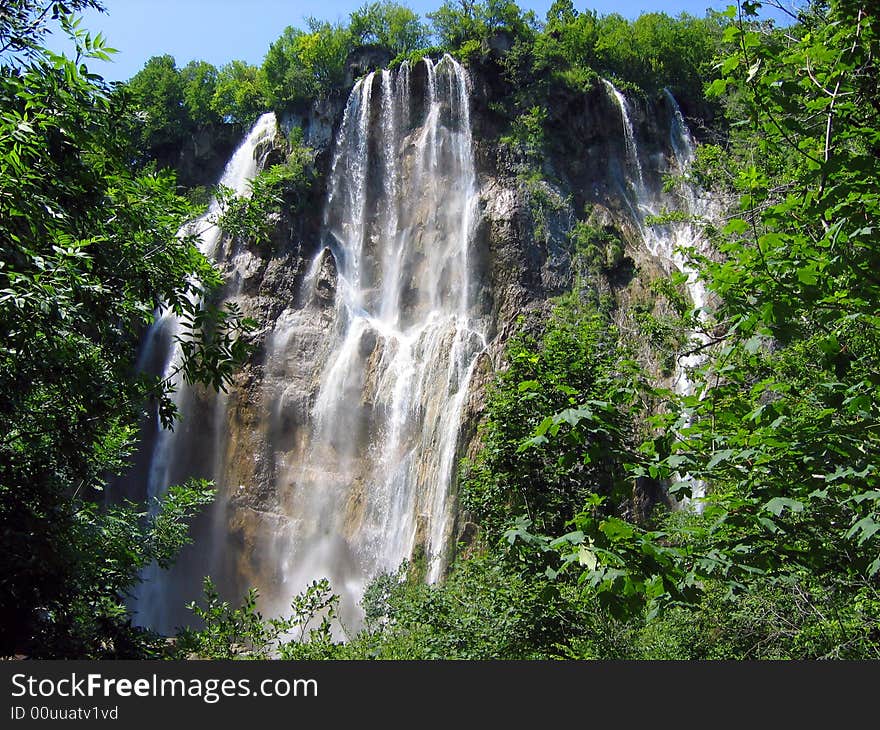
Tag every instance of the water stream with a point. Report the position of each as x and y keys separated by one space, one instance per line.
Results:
x=671 y=241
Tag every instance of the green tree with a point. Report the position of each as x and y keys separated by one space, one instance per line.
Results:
x=158 y=92
x=469 y=21
x=789 y=409
x=240 y=93
x=302 y=66
x=390 y=25
x=90 y=249
x=567 y=47
x=656 y=50
x=199 y=79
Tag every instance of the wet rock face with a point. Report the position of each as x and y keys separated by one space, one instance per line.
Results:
x=325 y=281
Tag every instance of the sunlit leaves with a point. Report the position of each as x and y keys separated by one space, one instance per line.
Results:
x=90 y=250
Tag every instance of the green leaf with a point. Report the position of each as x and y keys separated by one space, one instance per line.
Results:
x=778 y=504
x=866 y=527
x=735 y=226
x=717 y=87
x=718 y=457
x=807 y=275
x=587 y=558
x=616 y=529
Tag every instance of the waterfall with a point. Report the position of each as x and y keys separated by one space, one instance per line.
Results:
x=670 y=241
x=170 y=462
x=629 y=137
x=346 y=465
x=370 y=486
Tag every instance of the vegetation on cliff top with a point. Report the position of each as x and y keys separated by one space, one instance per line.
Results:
x=570 y=50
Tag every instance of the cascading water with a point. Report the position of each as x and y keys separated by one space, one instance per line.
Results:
x=369 y=484
x=171 y=460
x=633 y=160
x=645 y=197
x=354 y=424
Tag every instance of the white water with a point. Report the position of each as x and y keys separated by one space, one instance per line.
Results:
x=372 y=486
x=671 y=242
x=636 y=177
x=168 y=447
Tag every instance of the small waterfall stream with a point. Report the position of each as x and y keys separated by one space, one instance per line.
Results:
x=170 y=462
x=669 y=241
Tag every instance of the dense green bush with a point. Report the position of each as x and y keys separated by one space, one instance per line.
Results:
x=572 y=366
x=301 y=66
x=158 y=92
x=463 y=22
x=389 y=25
x=240 y=94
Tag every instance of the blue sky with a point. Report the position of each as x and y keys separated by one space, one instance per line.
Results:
x=219 y=31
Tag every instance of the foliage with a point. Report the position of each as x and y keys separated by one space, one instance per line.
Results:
x=285 y=187
x=598 y=249
x=173 y=104
x=301 y=66
x=655 y=50
x=569 y=39
x=90 y=250
x=527 y=133
x=486 y=609
x=309 y=629
x=628 y=569
x=798 y=620
x=25 y=25
x=243 y=633
x=157 y=91
x=121 y=540
x=390 y=25
x=571 y=369
x=199 y=80
x=228 y=632
x=240 y=95
x=785 y=423
x=469 y=21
